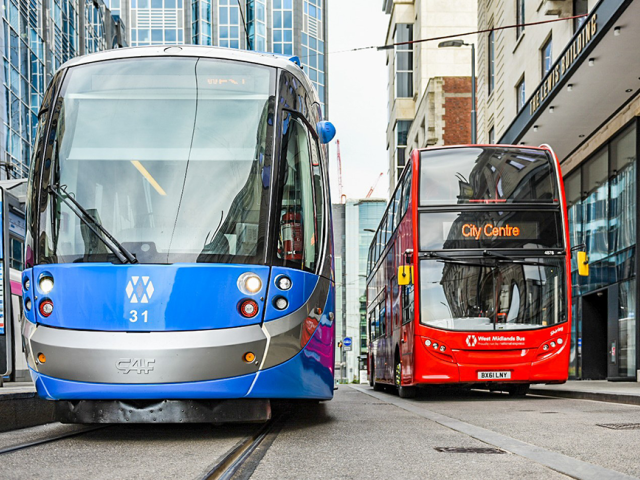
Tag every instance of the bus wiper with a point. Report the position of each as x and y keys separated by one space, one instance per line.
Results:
x=504 y=258
x=451 y=259
x=124 y=255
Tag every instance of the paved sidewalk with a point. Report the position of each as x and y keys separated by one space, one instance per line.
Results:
x=20 y=407
x=599 y=390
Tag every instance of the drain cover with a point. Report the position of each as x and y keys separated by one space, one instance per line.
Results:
x=468 y=450
x=620 y=426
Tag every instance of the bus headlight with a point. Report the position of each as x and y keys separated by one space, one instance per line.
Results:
x=46 y=283
x=249 y=283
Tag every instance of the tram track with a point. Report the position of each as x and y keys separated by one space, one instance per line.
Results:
x=49 y=439
x=241 y=460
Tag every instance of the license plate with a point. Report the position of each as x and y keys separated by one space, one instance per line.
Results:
x=494 y=375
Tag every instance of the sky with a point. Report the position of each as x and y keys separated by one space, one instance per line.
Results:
x=358 y=97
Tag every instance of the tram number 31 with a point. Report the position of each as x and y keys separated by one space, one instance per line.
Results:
x=134 y=316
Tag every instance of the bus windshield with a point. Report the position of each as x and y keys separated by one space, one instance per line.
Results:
x=486 y=175
x=492 y=294
x=171 y=156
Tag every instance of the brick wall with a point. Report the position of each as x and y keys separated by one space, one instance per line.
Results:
x=457 y=110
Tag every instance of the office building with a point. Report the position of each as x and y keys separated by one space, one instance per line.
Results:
x=354 y=224
x=287 y=27
x=572 y=85
x=38 y=38
x=429 y=88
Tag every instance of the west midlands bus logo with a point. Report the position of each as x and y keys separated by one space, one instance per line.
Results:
x=472 y=340
x=139 y=290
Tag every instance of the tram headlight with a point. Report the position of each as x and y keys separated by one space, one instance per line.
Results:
x=280 y=303
x=46 y=308
x=27 y=284
x=46 y=283
x=249 y=283
x=27 y=304
x=248 y=309
x=283 y=282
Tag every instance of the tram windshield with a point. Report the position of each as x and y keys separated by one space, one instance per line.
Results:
x=474 y=294
x=171 y=156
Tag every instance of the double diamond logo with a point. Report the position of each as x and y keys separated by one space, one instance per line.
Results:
x=139 y=289
x=472 y=340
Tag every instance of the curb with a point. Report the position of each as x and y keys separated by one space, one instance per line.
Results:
x=24 y=409
x=597 y=396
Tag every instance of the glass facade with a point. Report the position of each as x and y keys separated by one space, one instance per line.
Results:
x=156 y=22
x=312 y=52
x=360 y=220
x=201 y=22
x=257 y=24
x=229 y=26
x=282 y=27
x=72 y=27
x=601 y=200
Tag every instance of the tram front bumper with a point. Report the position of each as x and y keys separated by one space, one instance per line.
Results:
x=143 y=358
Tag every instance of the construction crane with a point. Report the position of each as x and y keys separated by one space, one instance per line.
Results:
x=373 y=187
x=343 y=197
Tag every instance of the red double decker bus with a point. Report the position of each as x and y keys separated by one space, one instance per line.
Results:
x=469 y=272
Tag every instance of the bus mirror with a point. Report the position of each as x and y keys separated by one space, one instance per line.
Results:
x=405 y=275
x=583 y=264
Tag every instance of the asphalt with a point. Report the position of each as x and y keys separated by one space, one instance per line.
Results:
x=362 y=434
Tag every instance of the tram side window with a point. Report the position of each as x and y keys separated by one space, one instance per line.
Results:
x=318 y=190
x=297 y=238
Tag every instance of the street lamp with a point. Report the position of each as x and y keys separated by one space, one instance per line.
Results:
x=460 y=43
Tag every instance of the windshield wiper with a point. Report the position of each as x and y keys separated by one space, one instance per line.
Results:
x=124 y=255
x=504 y=258
x=451 y=259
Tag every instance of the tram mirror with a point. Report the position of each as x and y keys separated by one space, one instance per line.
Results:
x=583 y=264
x=405 y=275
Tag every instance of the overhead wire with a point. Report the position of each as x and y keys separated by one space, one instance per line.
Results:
x=456 y=35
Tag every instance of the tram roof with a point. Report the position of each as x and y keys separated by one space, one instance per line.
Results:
x=268 y=59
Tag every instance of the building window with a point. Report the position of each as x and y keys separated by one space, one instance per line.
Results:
x=282 y=30
x=580 y=7
x=402 y=134
x=520 y=97
x=312 y=48
x=492 y=136
x=545 y=55
x=229 y=24
x=491 y=71
x=404 y=61
x=520 y=17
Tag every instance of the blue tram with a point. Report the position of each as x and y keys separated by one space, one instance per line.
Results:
x=179 y=243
